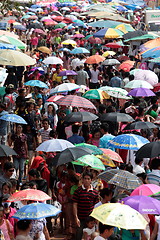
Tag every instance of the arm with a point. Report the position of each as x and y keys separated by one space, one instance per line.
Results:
x=46 y=233
x=9 y=139
x=75 y=213
x=154 y=232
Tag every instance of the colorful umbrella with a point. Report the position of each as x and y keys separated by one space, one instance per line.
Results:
x=52 y=60
x=138 y=84
x=78 y=35
x=152 y=53
x=79 y=50
x=108 y=33
x=95 y=59
x=36 y=83
x=116 y=92
x=106 y=160
x=112 y=155
x=146 y=190
x=149 y=150
x=80 y=117
x=119 y=215
x=125 y=28
x=69 y=42
x=123 y=58
x=54 y=98
x=95 y=150
x=44 y=49
x=116 y=117
x=141 y=92
x=113 y=45
x=60 y=25
x=146 y=75
x=67 y=73
x=72 y=100
x=13 y=40
x=88 y=36
x=90 y=160
x=64 y=87
x=125 y=66
x=29 y=194
x=128 y=141
x=96 y=94
x=95 y=40
x=111 y=62
x=54 y=145
x=40 y=31
x=36 y=211
x=13 y=118
x=108 y=53
x=150 y=44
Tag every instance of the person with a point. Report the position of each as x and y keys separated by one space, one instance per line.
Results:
x=116 y=81
x=6 y=226
x=31 y=143
x=84 y=199
x=137 y=168
x=56 y=77
x=89 y=232
x=35 y=176
x=51 y=115
x=94 y=82
x=104 y=140
x=23 y=228
x=9 y=98
x=6 y=188
x=44 y=132
x=95 y=138
x=105 y=231
x=75 y=138
x=154 y=176
x=21 y=100
x=82 y=76
x=3 y=124
x=8 y=172
x=106 y=196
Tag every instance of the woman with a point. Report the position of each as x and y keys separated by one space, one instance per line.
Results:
x=39 y=230
x=6 y=226
x=95 y=138
x=66 y=60
x=51 y=115
x=23 y=229
x=155 y=135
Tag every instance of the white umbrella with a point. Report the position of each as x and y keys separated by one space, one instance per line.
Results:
x=138 y=84
x=64 y=87
x=52 y=60
x=54 y=145
x=72 y=17
x=65 y=9
x=116 y=92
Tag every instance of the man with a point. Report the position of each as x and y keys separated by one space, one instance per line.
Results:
x=94 y=82
x=21 y=100
x=106 y=196
x=44 y=132
x=8 y=172
x=137 y=169
x=116 y=81
x=3 y=124
x=103 y=143
x=105 y=231
x=82 y=76
x=75 y=138
x=154 y=176
x=84 y=199
x=55 y=76
x=9 y=98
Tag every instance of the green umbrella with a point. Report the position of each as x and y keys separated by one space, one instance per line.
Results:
x=90 y=160
x=60 y=25
x=155 y=60
x=95 y=150
x=143 y=37
x=88 y=36
x=2 y=91
x=14 y=41
x=96 y=94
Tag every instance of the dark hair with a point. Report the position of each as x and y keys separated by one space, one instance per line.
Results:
x=45 y=120
x=75 y=128
x=73 y=179
x=103 y=227
x=13 y=181
x=2 y=106
x=34 y=172
x=21 y=90
x=142 y=175
x=8 y=184
x=25 y=186
x=129 y=168
x=23 y=224
x=105 y=127
x=53 y=133
x=8 y=165
x=32 y=183
x=138 y=160
x=155 y=164
x=86 y=173
x=102 y=107
x=89 y=219
x=95 y=131
x=105 y=192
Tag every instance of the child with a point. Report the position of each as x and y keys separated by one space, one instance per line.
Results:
x=89 y=232
x=6 y=188
x=105 y=232
x=5 y=226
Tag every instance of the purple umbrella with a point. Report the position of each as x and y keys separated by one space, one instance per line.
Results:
x=67 y=73
x=143 y=204
x=141 y=92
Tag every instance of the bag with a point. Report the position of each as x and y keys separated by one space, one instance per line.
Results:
x=11 y=235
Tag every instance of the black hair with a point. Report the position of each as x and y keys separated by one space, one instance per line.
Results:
x=142 y=175
x=86 y=173
x=25 y=186
x=105 y=127
x=102 y=107
x=89 y=219
x=53 y=133
x=8 y=165
x=23 y=224
x=34 y=172
x=73 y=179
x=155 y=164
x=13 y=181
x=45 y=120
x=129 y=168
x=75 y=128
x=105 y=192
x=8 y=184
x=2 y=106
x=32 y=183
x=103 y=227
x=138 y=160
x=21 y=90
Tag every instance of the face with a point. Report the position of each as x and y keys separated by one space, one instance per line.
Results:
x=34 y=187
x=31 y=107
x=40 y=101
x=97 y=135
x=90 y=224
x=5 y=189
x=109 y=232
x=10 y=172
x=45 y=125
x=155 y=131
x=19 y=128
x=87 y=181
x=50 y=108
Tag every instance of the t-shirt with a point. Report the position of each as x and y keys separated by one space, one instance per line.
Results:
x=45 y=134
x=99 y=238
x=94 y=75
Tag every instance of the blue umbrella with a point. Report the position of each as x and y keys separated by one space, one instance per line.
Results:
x=101 y=33
x=128 y=141
x=152 y=53
x=79 y=23
x=13 y=118
x=36 y=211
x=26 y=16
x=20 y=27
x=35 y=6
x=31 y=13
x=104 y=24
x=7 y=46
x=36 y=83
x=79 y=50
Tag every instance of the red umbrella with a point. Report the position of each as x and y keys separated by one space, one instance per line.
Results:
x=40 y=31
x=112 y=155
x=126 y=66
x=57 y=18
x=54 y=98
x=57 y=30
x=29 y=194
x=78 y=36
x=95 y=40
x=113 y=45
x=95 y=59
x=156 y=87
x=67 y=20
x=75 y=101
x=123 y=58
x=11 y=21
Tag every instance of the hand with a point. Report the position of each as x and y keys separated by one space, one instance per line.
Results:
x=78 y=222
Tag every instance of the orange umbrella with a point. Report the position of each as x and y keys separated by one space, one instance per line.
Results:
x=112 y=155
x=126 y=66
x=152 y=43
x=11 y=21
x=95 y=59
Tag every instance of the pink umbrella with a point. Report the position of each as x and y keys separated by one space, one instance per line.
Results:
x=95 y=40
x=57 y=18
x=54 y=98
x=78 y=36
x=146 y=190
x=57 y=30
x=146 y=75
x=40 y=31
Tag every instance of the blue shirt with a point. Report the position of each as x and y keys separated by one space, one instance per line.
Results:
x=115 y=82
x=103 y=143
x=75 y=139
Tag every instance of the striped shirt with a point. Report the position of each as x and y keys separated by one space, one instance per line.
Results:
x=45 y=134
x=85 y=200
x=154 y=177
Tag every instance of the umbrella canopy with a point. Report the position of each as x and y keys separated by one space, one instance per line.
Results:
x=134 y=34
x=78 y=35
x=113 y=45
x=119 y=215
x=108 y=53
x=7 y=46
x=149 y=150
x=29 y=194
x=104 y=24
x=6 y=151
x=52 y=60
x=72 y=100
x=40 y=31
x=60 y=25
x=80 y=117
x=138 y=84
x=95 y=59
x=120 y=178
x=44 y=49
x=95 y=40
x=126 y=67
x=16 y=58
x=64 y=87
x=146 y=190
x=67 y=73
x=36 y=83
x=96 y=94
x=106 y=160
x=13 y=118
x=116 y=117
x=108 y=33
x=128 y=141
x=152 y=53
x=112 y=155
x=143 y=204
x=140 y=125
x=141 y=92
x=95 y=150
x=54 y=98
x=146 y=75
x=54 y=145
x=13 y=40
x=125 y=28
x=116 y=92
x=68 y=42
x=79 y=50
x=111 y=62
x=36 y=211
x=150 y=44
x=90 y=160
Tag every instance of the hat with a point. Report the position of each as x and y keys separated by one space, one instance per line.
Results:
x=10 y=86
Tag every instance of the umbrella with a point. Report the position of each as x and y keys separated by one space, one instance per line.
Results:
x=29 y=194
x=119 y=215
x=113 y=45
x=120 y=178
x=13 y=40
x=152 y=53
x=60 y=25
x=90 y=160
x=80 y=117
x=64 y=87
x=115 y=92
x=52 y=60
x=79 y=50
x=128 y=141
x=20 y=27
x=70 y=154
x=108 y=53
x=141 y=92
x=16 y=58
x=96 y=94
x=95 y=59
x=36 y=83
x=112 y=155
x=13 y=118
x=104 y=24
x=143 y=204
x=35 y=25
x=95 y=150
x=95 y=40
x=72 y=100
x=126 y=67
x=146 y=75
x=54 y=145
x=69 y=42
x=78 y=35
x=111 y=62
x=125 y=28
x=116 y=117
x=58 y=18
x=44 y=50
x=67 y=73
x=156 y=87
x=137 y=33
x=36 y=211
x=138 y=84
x=146 y=190
x=149 y=150
x=108 y=33
x=123 y=58
x=54 y=98
x=7 y=46
x=6 y=151
x=139 y=125
x=155 y=60
x=40 y=31
x=106 y=161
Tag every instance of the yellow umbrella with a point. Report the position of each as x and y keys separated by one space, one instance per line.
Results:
x=125 y=28
x=68 y=42
x=44 y=49
x=107 y=53
x=106 y=160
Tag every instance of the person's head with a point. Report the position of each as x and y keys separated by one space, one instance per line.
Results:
x=53 y=133
x=106 y=194
x=19 y=129
x=25 y=186
x=30 y=107
x=104 y=128
x=75 y=109
x=155 y=107
x=45 y=123
x=22 y=92
x=138 y=161
x=90 y=222
x=34 y=174
x=8 y=169
x=87 y=179
x=105 y=230
x=14 y=183
x=155 y=132
x=51 y=109
x=155 y=164
x=143 y=177
x=102 y=108
x=73 y=180
x=75 y=129
x=33 y=185
x=6 y=188
x=1 y=213
x=39 y=102
x=24 y=225
x=96 y=134
x=58 y=70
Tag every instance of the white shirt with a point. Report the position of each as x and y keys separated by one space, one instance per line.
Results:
x=94 y=75
x=99 y=238
x=137 y=169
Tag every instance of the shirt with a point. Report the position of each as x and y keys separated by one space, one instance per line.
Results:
x=99 y=238
x=45 y=134
x=75 y=139
x=82 y=76
x=94 y=75
x=154 y=177
x=137 y=169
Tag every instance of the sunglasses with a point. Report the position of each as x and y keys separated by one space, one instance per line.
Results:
x=12 y=170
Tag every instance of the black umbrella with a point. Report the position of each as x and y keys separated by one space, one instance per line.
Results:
x=6 y=151
x=35 y=25
x=149 y=150
x=80 y=117
x=116 y=117
x=140 y=125
x=69 y=155
x=137 y=33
